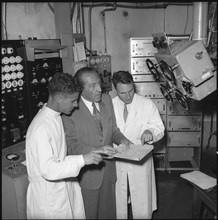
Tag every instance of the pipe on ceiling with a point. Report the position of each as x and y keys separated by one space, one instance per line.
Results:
x=200 y=20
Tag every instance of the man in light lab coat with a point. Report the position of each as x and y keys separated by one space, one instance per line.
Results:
x=50 y=195
x=142 y=125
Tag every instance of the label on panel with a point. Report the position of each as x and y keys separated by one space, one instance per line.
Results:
x=143 y=78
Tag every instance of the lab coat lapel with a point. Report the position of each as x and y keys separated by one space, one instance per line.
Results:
x=120 y=120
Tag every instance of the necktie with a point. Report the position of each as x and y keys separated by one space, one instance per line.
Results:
x=125 y=113
x=97 y=116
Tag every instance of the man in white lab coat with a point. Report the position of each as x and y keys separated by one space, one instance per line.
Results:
x=140 y=122
x=50 y=195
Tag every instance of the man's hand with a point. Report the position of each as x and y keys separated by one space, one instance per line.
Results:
x=127 y=143
x=146 y=137
x=93 y=157
x=108 y=151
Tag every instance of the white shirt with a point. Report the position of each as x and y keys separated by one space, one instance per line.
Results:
x=89 y=105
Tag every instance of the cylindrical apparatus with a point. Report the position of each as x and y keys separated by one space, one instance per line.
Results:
x=200 y=19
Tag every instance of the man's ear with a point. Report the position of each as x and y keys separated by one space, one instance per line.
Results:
x=58 y=98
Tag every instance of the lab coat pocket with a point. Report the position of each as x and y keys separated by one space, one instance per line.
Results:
x=57 y=196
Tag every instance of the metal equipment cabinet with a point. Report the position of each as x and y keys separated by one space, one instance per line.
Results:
x=142 y=49
x=14 y=182
x=180 y=148
x=184 y=136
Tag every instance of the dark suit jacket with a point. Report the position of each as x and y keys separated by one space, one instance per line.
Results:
x=82 y=134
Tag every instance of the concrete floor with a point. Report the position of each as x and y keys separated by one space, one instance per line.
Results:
x=175 y=194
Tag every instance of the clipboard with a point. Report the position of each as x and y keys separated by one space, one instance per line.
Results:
x=135 y=152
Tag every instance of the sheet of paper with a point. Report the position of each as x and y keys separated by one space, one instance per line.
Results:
x=200 y=179
x=136 y=152
x=80 y=51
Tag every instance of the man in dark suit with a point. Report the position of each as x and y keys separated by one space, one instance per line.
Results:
x=89 y=128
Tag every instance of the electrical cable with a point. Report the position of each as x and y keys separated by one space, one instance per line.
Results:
x=130 y=6
x=187 y=17
x=6 y=33
x=105 y=41
x=164 y=21
x=211 y=24
x=211 y=129
x=83 y=18
x=114 y=7
x=72 y=12
x=50 y=6
x=164 y=5
x=122 y=6
x=78 y=26
x=90 y=28
x=3 y=25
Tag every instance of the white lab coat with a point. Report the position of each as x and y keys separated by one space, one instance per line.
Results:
x=50 y=195
x=142 y=115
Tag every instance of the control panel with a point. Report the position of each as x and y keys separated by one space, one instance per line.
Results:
x=12 y=158
x=14 y=182
x=14 y=108
x=40 y=72
x=27 y=66
x=43 y=60
x=141 y=46
x=102 y=65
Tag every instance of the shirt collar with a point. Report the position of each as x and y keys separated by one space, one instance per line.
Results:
x=89 y=104
x=51 y=111
x=127 y=105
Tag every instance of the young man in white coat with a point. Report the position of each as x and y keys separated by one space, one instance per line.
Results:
x=143 y=125
x=50 y=195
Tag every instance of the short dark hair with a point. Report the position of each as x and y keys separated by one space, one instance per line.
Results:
x=78 y=77
x=62 y=83
x=123 y=77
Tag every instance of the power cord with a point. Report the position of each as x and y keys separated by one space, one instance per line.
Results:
x=208 y=143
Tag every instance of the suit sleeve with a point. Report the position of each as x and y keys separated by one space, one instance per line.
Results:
x=73 y=145
x=70 y=131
